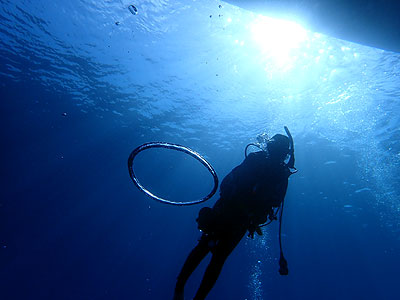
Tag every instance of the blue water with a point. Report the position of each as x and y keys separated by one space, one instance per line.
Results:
x=82 y=83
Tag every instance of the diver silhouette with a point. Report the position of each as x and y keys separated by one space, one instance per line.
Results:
x=248 y=196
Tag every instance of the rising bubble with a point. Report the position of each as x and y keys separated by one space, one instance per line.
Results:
x=133 y=9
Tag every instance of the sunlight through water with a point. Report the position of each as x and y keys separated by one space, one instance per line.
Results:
x=278 y=38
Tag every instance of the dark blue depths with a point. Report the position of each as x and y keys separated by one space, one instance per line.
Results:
x=74 y=227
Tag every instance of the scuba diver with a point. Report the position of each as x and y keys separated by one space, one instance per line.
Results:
x=250 y=194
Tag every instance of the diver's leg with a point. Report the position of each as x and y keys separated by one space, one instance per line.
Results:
x=220 y=253
x=192 y=261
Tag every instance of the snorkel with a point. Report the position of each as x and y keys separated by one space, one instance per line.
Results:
x=290 y=163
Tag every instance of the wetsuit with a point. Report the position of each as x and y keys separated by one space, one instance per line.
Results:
x=247 y=196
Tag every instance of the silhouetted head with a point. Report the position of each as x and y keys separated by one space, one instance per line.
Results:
x=278 y=147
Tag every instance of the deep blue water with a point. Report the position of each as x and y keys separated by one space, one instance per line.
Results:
x=82 y=83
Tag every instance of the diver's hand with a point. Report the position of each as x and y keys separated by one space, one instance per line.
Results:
x=254 y=228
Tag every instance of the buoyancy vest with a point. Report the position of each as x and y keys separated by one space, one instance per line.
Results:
x=247 y=194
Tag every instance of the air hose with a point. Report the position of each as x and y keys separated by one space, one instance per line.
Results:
x=283 y=266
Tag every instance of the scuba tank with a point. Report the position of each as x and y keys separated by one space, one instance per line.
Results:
x=262 y=141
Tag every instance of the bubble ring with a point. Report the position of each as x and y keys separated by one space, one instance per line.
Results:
x=180 y=148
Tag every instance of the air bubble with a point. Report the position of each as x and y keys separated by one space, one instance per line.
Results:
x=133 y=9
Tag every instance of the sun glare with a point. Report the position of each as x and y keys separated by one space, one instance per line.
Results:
x=277 y=38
